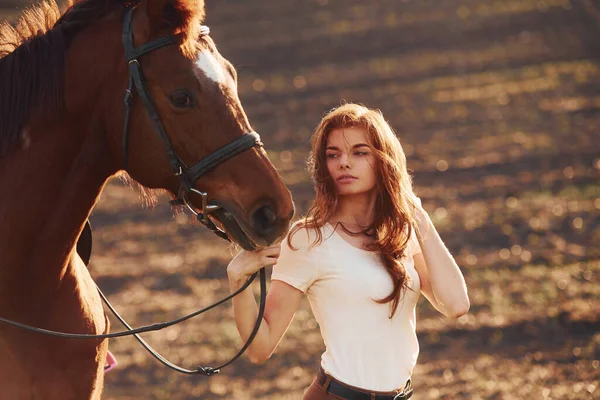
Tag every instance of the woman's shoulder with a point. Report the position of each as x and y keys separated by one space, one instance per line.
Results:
x=413 y=246
x=304 y=233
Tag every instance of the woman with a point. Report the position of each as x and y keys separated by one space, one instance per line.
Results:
x=362 y=255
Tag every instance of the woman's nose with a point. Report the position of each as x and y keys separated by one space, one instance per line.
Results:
x=344 y=162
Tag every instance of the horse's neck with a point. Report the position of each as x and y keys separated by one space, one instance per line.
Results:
x=50 y=186
x=49 y=189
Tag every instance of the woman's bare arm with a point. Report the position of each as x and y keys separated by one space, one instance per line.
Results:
x=282 y=303
x=442 y=282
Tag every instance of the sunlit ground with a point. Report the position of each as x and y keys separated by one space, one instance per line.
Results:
x=497 y=105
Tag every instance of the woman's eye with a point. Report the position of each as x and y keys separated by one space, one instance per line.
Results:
x=331 y=155
x=360 y=153
x=182 y=99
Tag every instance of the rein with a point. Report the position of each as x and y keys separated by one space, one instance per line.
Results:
x=207 y=371
x=188 y=176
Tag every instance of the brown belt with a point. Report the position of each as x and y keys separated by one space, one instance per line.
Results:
x=340 y=389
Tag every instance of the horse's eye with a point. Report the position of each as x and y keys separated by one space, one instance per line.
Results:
x=182 y=98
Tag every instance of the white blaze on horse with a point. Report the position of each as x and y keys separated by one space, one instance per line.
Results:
x=64 y=131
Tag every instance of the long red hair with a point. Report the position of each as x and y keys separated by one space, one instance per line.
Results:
x=393 y=220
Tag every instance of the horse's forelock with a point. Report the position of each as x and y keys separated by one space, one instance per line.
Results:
x=187 y=17
x=191 y=11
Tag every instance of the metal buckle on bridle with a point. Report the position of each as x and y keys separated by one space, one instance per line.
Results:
x=206 y=208
x=208 y=371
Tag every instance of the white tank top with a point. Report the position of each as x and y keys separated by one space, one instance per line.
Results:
x=364 y=348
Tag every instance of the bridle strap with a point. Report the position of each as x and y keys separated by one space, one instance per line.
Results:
x=124 y=145
x=224 y=153
x=137 y=80
x=131 y=52
x=134 y=53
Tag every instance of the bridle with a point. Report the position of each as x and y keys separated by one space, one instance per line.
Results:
x=187 y=179
x=188 y=176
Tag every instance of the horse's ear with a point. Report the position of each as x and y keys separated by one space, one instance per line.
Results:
x=183 y=15
x=154 y=10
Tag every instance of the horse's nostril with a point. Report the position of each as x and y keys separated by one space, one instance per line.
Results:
x=264 y=220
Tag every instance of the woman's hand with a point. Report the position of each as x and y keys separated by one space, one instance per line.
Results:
x=422 y=219
x=247 y=263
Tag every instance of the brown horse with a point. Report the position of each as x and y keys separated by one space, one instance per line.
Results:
x=62 y=82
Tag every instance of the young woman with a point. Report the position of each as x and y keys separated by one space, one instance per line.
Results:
x=362 y=255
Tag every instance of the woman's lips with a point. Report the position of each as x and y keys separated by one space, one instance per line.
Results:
x=346 y=179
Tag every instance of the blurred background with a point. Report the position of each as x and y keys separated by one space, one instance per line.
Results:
x=497 y=104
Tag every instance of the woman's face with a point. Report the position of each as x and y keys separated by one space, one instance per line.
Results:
x=351 y=161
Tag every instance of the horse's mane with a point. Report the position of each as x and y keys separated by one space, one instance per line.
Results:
x=32 y=55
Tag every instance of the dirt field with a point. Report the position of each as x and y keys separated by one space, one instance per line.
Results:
x=498 y=106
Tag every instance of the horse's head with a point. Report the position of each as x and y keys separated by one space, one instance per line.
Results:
x=192 y=92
